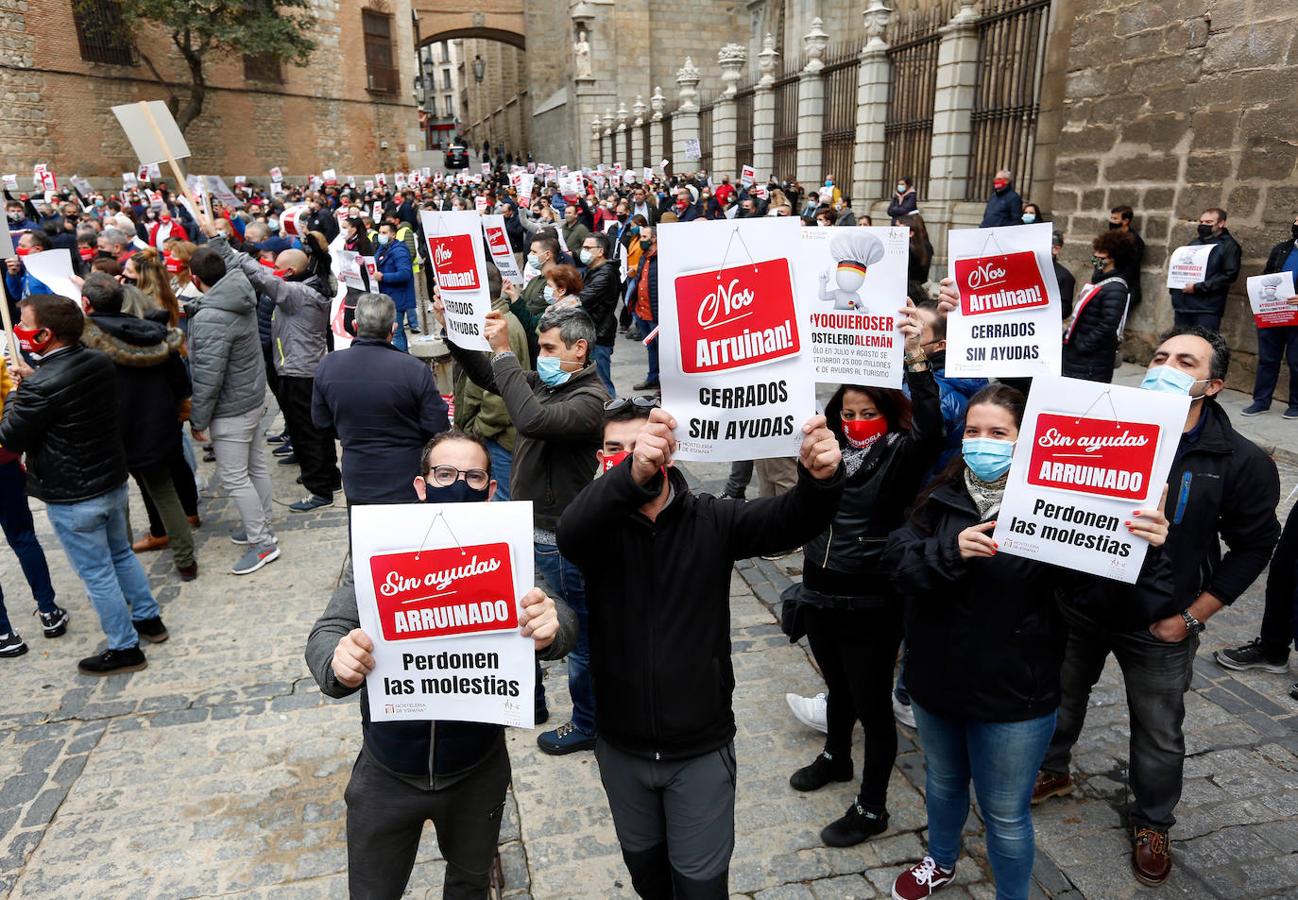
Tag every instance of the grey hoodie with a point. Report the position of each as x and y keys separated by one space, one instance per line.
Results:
x=225 y=351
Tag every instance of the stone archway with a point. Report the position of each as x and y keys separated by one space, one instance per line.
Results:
x=493 y=20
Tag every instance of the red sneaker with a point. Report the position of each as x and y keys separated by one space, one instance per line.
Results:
x=924 y=879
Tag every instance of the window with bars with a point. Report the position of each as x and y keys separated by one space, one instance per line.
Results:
x=380 y=65
x=101 y=33
x=908 y=133
x=262 y=67
x=838 y=140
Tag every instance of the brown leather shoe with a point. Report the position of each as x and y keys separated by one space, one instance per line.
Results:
x=149 y=542
x=194 y=521
x=1051 y=784
x=1151 y=856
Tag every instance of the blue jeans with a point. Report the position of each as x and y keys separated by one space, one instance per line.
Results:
x=1273 y=345
x=646 y=327
x=564 y=580
x=604 y=366
x=94 y=536
x=408 y=318
x=502 y=466
x=399 y=339
x=20 y=532
x=1002 y=758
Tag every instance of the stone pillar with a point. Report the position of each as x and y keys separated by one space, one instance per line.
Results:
x=953 y=100
x=637 y=133
x=656 y=103
x=606 y=140
x=873 y=77
x=596 y=133
x=811 y=105
x=764 y=110
x=619 y=135
x=725 y=114
x=685 y=121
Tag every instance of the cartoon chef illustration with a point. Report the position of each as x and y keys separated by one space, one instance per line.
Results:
x=853 y=251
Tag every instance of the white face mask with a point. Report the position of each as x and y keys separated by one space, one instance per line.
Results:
x=901 y=188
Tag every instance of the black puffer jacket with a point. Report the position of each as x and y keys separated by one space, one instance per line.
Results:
x=599 y=297
x=1091 y=349
x=1223 y=270
x=151 y=384
x=64 y=417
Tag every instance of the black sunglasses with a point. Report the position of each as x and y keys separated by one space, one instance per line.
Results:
x=621 y=403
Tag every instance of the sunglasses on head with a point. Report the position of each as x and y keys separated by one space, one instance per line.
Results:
x=620 y=403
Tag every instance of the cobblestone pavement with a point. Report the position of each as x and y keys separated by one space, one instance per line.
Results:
x=220 y=768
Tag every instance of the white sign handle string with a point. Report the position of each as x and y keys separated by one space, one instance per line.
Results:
x=726 y=254
x=442 y=518
x=991 y=239
x=1107 y=395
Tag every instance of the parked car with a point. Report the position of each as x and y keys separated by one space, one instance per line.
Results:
x=457 y=156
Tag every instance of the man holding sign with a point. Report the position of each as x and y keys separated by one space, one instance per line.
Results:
x=1200 y=298
x=1275 y=342
x=452 y=772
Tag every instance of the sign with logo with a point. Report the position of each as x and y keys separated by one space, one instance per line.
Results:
x=329 y=176
x=493 y=228
x=748 y=176
x=381 y=179
x=735 y=370
x=1273 y=300
x=276 y=173
x=1008 y=323
x=459 y=264
x=1188 y=265
x=1088 y=456
x=438 y=587
x=350 y=269
x=854 y=281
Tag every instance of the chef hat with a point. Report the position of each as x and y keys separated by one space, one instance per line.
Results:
x=857 y=245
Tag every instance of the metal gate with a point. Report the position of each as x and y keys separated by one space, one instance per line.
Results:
x=744 y=128
x=669 y=149
x=1011 y=55
x=705 y=139
x=645 y=159
x=908 y=133
x=838 y=140
x=786 y=127
x=625 y=156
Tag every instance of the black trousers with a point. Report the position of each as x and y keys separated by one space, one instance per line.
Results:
x=856 y=651
x=272 y=377
x=313 y=448
x=182 y=476
x=1279 y=616
x=386 y=816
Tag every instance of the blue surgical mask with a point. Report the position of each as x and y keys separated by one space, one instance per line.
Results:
x=1029 y=218
x=273 y=224
x=383 y=238
x=987 y=458
x=551 y=371
x=586 y=257
x=1168 y=380
x=548 y=293
x=534 y=261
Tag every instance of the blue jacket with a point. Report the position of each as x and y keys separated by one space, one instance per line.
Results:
x=1003 y=208
x=23 y=285
x=955 y=394
x=393 y=260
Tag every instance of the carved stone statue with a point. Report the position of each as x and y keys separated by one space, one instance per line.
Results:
x=581 y=54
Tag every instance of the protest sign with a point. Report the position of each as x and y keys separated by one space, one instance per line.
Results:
x=381 y=179
x=852 y=281
x=53 y=268
x=1273 y=300
x=648 y=174
x=11 y=182
x=129 y=181
x=1087 y=457
x=7 y=246
x=493 y=227
x=748 y=176
x=1008 y=322
x=155 y=138
x=276 y=173
x=459 y=264
x=399 y=179
x=330 y=176
x=1188 y=265
x=349 y=267
x=293 y=220
x=479 y=204
x=369 y=185
x=376 y=212
x=526 y=184
x=438 y=587
x=7 y=252
x=692 y=150
x=736 y=372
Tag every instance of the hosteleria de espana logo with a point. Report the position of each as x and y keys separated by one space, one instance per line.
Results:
x=1007 y=282
x=453 y=261
x=1093 y=456
x=736 y=317
x=440 y=593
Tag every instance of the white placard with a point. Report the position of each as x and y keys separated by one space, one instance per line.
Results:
x=7 y=250
x=748 y=176
x=54 y=269
x=459 y=263
x=735 y=366
x=852 y=281
x=493 y=230
x=276 y=173
x=1273 y=301
x=648 y=174
x=153 y=141
x=1188 y=265
x=11 y=182
x=1008 y=323
x=349 y=267
x=438 y=591
x=1087 y=457
x=693 y=151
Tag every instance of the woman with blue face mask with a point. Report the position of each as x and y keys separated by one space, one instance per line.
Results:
x=984 y=647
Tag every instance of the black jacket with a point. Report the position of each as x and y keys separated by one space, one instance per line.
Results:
x=417 y=750
x=1131 y=273
x=383 y=404
x=152 y=383
x=1222 y=487
x=559 y=429
x=1003 y=208
x=1091 y=349
x=876 y=497
x=659 y=600
x=908 y=203
x=1067 y=288
x=324 y=221
x=64 y=417
x=599 y=297
x=1223 y=269
x=1278 y=256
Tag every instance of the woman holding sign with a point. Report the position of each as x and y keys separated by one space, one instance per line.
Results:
x=984 y=646
x=852 y=613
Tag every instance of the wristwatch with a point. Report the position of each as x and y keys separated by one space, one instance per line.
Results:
x=1192 y=625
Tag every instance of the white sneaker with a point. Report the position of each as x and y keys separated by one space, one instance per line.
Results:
x=902 y=712
x=810 y=711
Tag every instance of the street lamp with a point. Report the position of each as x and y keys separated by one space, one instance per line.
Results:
x=479 y=68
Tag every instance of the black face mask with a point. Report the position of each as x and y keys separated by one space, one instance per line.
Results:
x=621 y=217
x=1205 y=231
x=458 y=492
x=1114 y=226
x=128 y=280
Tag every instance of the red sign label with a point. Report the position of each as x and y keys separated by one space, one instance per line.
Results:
x=497 y=243
x=440 y=593
x=996 y=284
x=736 y=317
x=1093 y=456
x=453 y=261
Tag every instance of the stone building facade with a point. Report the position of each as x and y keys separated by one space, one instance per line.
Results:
x=331 y=114
x=499 y=109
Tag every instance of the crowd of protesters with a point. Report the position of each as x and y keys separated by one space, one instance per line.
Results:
x=909 y=610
